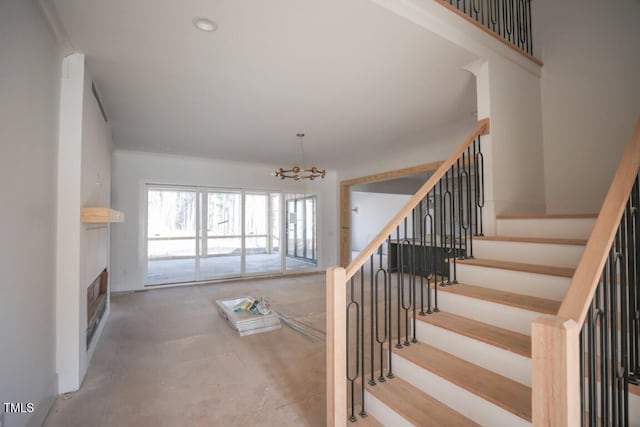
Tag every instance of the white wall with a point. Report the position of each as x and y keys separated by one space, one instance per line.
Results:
x=516 y=160
x=392 y=186
x=375 y=210
x=84 y=166
x=132 y=170
x=424 y=149
x=590 y=95
x=29 y=88
x=95 y=192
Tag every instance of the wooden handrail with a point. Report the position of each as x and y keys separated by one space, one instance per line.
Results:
x=483 y=128
x=587 y=275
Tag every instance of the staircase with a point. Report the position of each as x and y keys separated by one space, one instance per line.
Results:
x=451 y=327
x=472 y=362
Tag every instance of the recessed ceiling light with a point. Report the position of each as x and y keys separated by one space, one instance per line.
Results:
x=204 y=24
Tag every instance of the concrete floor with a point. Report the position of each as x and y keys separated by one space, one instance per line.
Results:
x=178 y=270
x=167 y=359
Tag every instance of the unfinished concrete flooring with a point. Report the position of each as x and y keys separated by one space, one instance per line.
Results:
x=168 y=359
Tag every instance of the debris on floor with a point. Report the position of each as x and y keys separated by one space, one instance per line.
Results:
x=248 y=315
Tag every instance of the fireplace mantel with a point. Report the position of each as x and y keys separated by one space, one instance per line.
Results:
x=101 y=216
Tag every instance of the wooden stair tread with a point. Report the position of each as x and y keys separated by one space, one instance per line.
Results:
x=526 y=302
x=519 y=266
x=416 y=406
x=544 y=240
x=493 y=335
x=501 y=391
x=367 y=421
x=548 y=216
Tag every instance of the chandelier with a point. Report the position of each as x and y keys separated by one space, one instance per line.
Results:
x=297 y=173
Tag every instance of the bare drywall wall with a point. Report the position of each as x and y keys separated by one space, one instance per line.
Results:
x=30 y=85
x=590 y=95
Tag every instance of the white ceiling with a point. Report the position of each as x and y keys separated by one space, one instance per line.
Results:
x=357 y=79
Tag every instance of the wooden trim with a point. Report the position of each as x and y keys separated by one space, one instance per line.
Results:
x=345 y=225
x=101 y=216
x=345 y=200
x=555 y=375
x=398 y=173
x=352 y=268
x=336 y=351
x=587 y=276
x=345 y=194
x=488 y=31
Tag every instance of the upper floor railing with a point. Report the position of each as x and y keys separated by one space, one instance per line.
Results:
x=509 y=19
x=585 y=357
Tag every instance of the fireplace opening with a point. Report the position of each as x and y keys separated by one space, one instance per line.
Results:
x=96 y=304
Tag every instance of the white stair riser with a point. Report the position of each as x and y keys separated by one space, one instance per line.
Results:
x=498 y=360
x=531 y=253
x=533 y=284
x=561 y=228
x=466 y=403
x=383 y=413
x=504 y=316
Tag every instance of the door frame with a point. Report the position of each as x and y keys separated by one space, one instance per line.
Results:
x=345 y=200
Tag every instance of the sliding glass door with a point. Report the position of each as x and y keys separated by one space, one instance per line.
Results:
x=171 y=235
x=301 y=232
x=261 y=254
x=196 y=234
x=221 y=248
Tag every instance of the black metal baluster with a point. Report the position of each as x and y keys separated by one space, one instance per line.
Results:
x=623 y=378
x=390 y=314
x=479 y=160
x=374 y=306
x=363 y=412
x=399 y=281
x=634 y=367
x=423 y=252
x=475 y=9
x=464 y=198
x=351 y=378
x=470 y=203
x=509 y=20
x=583 y=402
x=605 y=348
x=447 y=243
x=530 y=29
x=518 y=23
x=430 y=249
x=441 y=214
x=592 y=363
x=381 y=340
x=407 y=307
x=460 y=243
x=414 y=272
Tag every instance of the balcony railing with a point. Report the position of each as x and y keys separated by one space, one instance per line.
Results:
x=509 y=19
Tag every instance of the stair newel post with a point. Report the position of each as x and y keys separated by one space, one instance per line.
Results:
x=336 y=293
x=555 y=372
